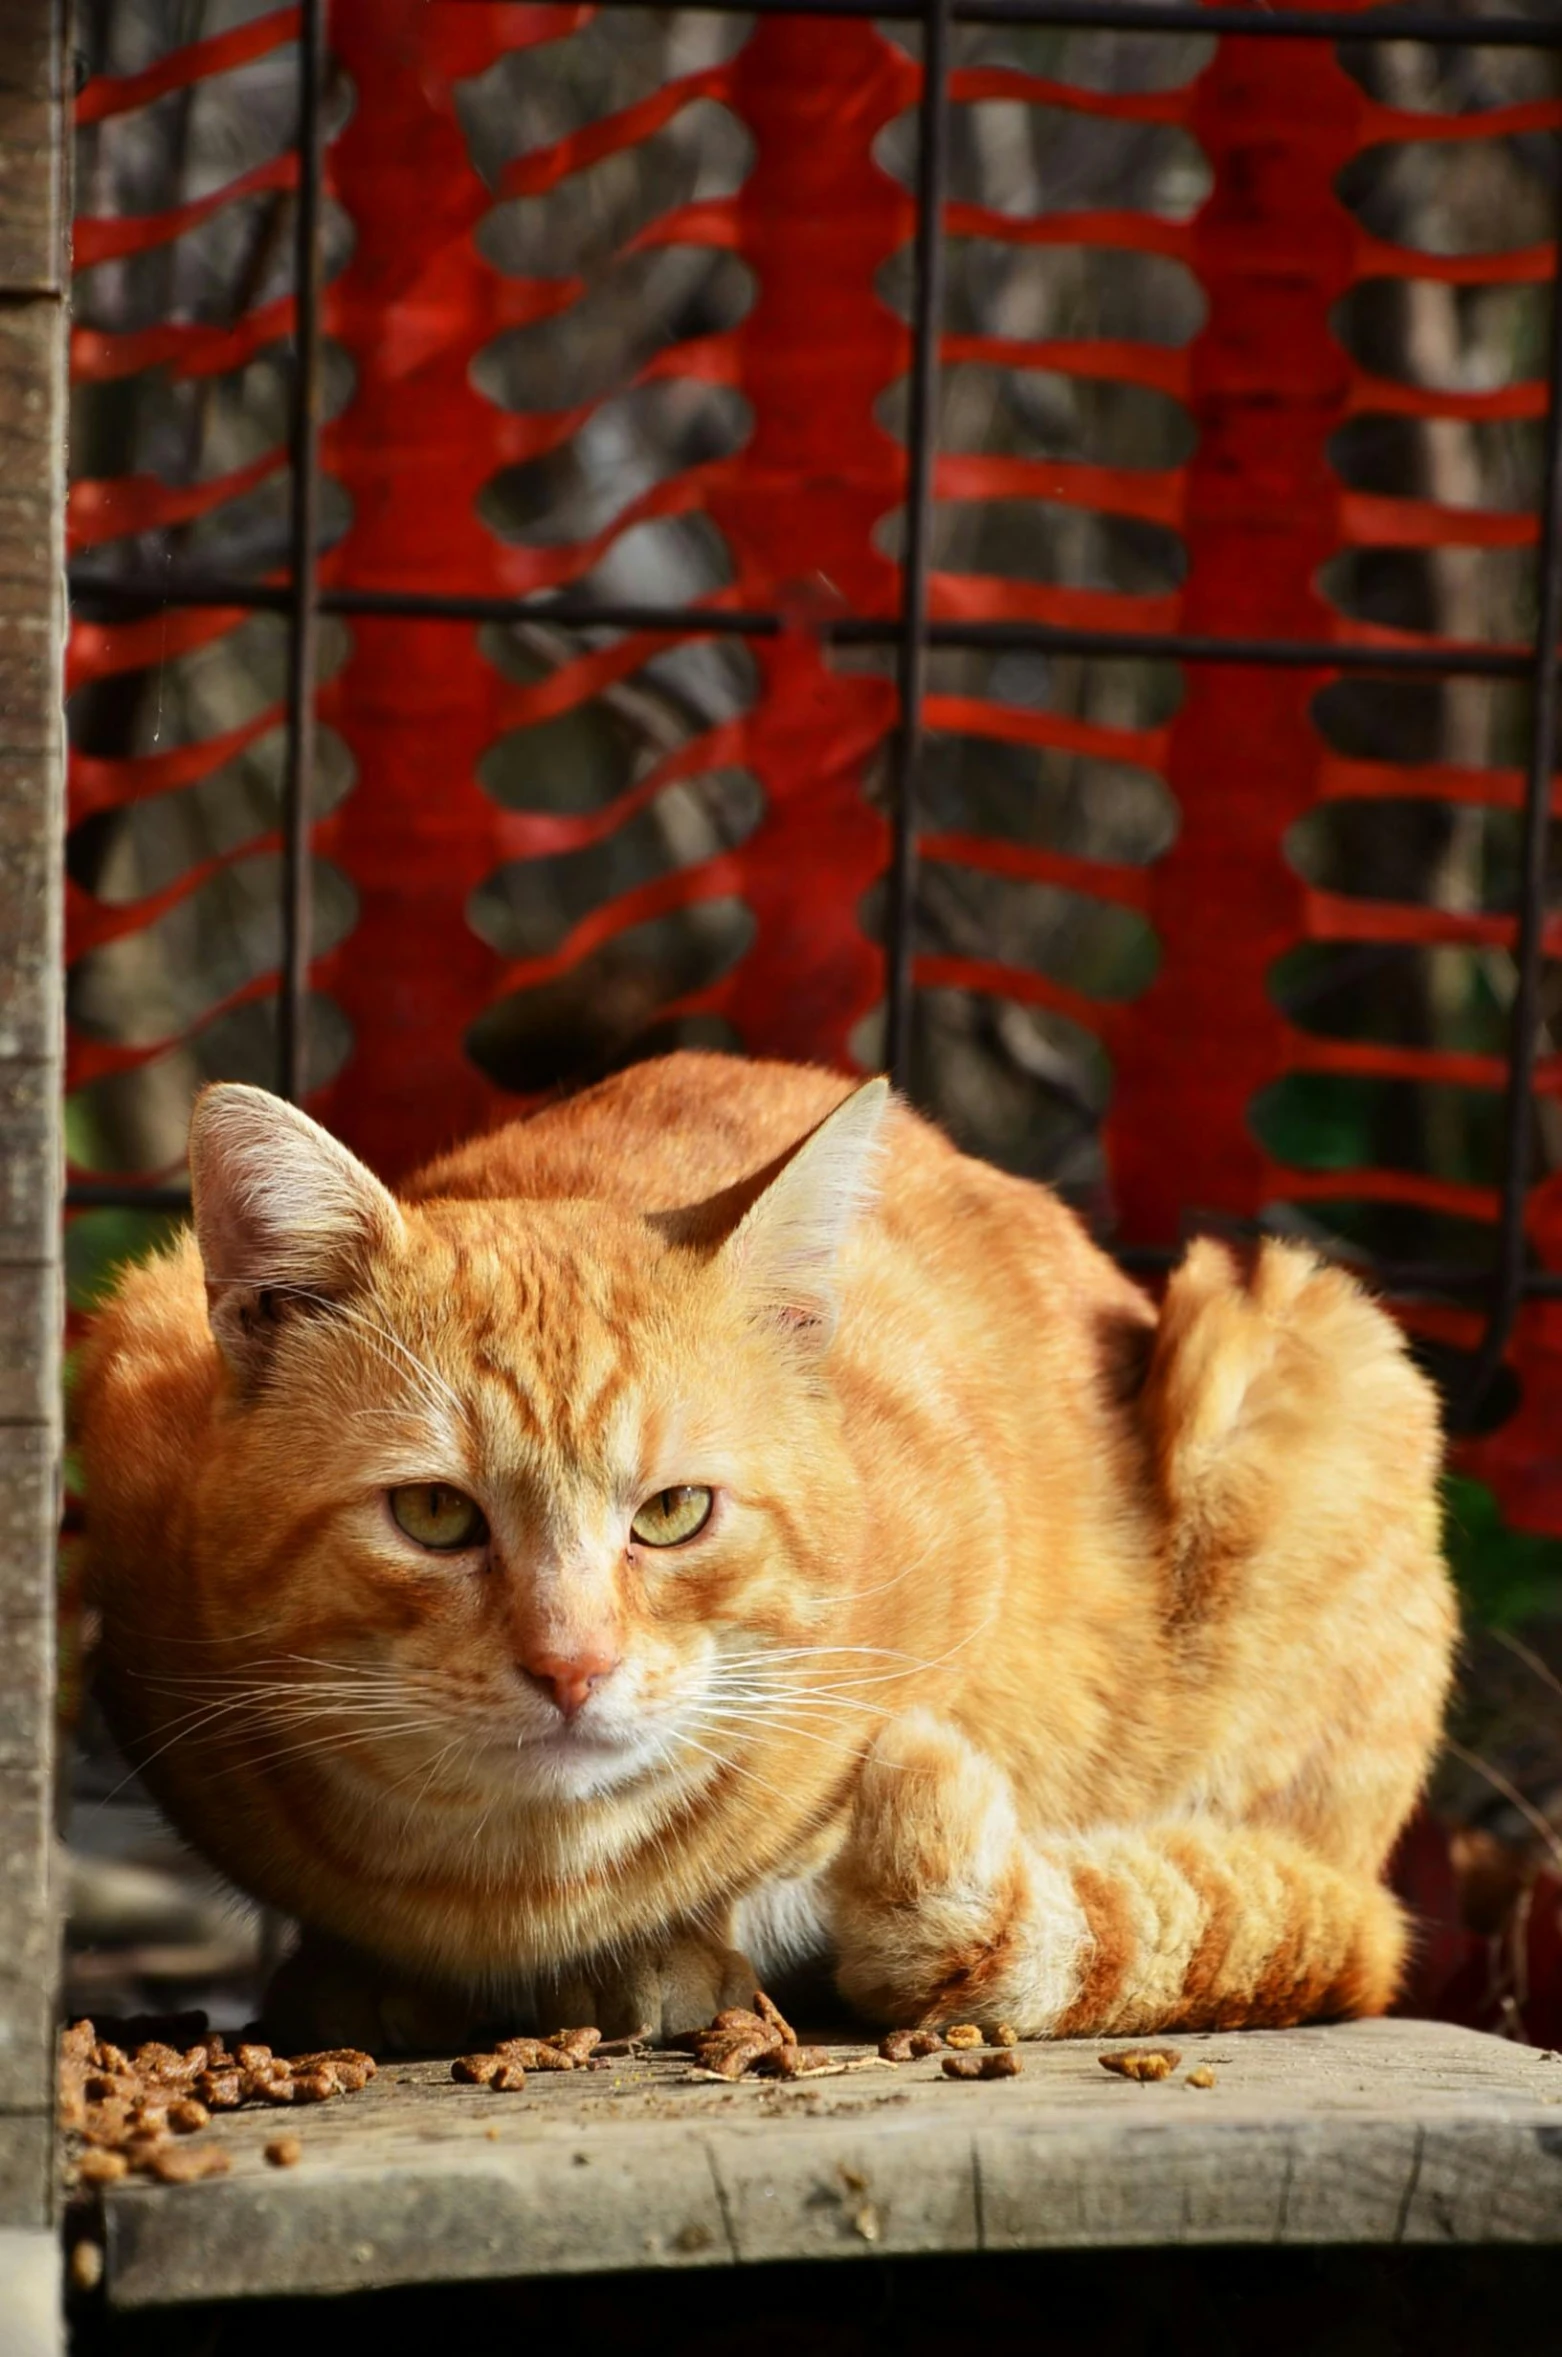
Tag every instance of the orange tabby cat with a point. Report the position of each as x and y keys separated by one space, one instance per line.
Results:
x=715 y=1524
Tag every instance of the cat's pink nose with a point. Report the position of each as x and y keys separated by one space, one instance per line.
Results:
x=569 y=1679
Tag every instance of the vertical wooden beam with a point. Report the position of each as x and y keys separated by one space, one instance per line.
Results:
x=32 y=492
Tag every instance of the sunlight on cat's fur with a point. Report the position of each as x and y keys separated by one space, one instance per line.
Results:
x=713 y=1525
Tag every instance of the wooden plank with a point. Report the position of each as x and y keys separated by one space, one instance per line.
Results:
x=32 y=408
x=32 y=475
x=27 y=1946
x=26 y=2168
x=29 y=660
x=1367 y=2133
x=30 y=2272
x=30 y=1166
x=32 y=173
x=30 y=1317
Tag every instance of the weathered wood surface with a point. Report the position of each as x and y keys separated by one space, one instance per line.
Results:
x=32 y=175
x=32 y=496
x=1376 y=2132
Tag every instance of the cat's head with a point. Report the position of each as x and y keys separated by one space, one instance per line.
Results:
x=474 y=1502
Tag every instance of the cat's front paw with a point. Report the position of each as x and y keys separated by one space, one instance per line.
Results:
x=934 y=1879
x=659 y=1990
x=329 y=1995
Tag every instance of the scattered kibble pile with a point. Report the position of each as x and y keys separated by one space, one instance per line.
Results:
x=135 y=2110
x=742 y=2042
x=1149 y=2064
x=757 y=2039
x=504 y=2067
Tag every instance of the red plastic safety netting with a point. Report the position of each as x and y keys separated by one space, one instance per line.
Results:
x=1257 y=508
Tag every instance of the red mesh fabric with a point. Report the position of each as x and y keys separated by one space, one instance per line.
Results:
x=1259 y=509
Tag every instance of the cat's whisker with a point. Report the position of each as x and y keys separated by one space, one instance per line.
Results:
x=783 y=1709
x=1538 y=1823
x=234 y=1734
x=718 y=1722
x=735 y=1767
x=355 y=1669
x=338 y=1740
x=205 y=1717
x=239 y=1683
x=1529 y=1657
x=437 y=1763
x=162 y=1637
x=820 y=1695
x=772 y=1700
x=201 y=1717
x=280 y=1699
x=438 y=1391
x=912 y=1664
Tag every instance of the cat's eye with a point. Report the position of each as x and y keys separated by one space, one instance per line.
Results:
x=672 y=1516
x=438 y=1516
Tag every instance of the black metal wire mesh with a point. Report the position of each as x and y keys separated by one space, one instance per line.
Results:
x=912 y=634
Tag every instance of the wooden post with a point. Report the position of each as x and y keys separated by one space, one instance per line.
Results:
x=32 y=496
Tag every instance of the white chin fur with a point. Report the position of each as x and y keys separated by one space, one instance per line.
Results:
x=574 y=1767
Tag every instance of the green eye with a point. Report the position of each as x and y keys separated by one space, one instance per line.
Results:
x=672 y=1516
x=438 y=1516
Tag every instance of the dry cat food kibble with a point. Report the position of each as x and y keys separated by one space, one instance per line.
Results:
x=137 y=2111
x=994 y=2062
x=911 y=2045
x=284 y=2152
x=184 y=2164
x=504 y=2067
x=963 y=2033
x=1142 y=2062
x=1202 y=2077
x=759 y=2039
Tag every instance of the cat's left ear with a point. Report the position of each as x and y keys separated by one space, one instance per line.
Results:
x=785 y=1250
x=282 y=1213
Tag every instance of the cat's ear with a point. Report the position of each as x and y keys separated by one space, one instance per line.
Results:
x=785 y=1249
x=281 y=1211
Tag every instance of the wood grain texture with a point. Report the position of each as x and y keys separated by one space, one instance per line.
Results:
x=1368 y=2133
x=32 y=178
x=26 y=2171
x=30 y=1314
x=30 y=2272
x=32 y=459
x=32 y=492
x=29 y=1165
x=27 y=1938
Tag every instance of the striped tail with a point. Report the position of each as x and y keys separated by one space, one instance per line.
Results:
x=945 y=1912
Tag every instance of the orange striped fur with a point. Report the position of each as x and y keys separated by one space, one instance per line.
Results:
x=1042 y=1659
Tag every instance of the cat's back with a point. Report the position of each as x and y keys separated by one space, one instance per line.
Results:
x=658 y=1136
x=678 y=1129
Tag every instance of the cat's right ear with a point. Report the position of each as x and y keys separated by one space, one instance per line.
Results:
x=281 y=1211
x=785 y=1249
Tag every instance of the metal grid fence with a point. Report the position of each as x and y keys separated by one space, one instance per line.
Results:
x=912 y=632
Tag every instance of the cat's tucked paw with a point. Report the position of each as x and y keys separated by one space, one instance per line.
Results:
x=327 y=1995
x=659 y=1989
x=939 y=1904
